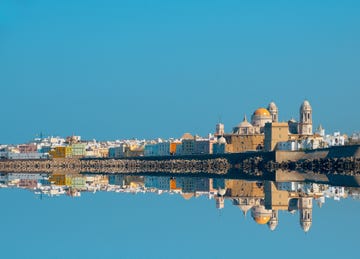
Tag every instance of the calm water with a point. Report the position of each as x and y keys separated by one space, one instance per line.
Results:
x=117 y=216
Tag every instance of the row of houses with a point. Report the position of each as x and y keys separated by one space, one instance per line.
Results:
x=74 y=147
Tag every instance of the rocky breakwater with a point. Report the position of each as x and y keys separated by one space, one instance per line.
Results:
x=342 y=160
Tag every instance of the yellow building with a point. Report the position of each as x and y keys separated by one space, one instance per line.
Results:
x=61 y=152
x=275 y=132
x=242 y=143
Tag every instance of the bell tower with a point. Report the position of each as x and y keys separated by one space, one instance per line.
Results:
x=272 y=108
x=305 y=122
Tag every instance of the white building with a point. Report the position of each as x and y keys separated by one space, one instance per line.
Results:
x=335 y=140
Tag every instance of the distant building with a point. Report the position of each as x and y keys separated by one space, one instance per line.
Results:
x=335 y=140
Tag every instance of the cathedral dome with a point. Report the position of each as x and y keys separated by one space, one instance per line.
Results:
x=244 y=124
x=262 y=112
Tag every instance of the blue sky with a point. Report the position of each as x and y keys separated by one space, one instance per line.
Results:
x=116 y=225
x=146 y=69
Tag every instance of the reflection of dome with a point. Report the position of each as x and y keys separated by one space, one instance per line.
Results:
x=260 y=214
x=244 y=208
x=188 y=195
x=262 y=112
x=262 y=220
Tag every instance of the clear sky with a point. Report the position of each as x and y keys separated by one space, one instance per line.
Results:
x=117 y=225
x=157 y=68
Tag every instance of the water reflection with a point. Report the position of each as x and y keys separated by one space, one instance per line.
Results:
x=261 y=199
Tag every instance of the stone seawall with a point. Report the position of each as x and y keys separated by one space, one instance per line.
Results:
x=331 y=153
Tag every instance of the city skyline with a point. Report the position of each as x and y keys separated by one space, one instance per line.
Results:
x=139 y=70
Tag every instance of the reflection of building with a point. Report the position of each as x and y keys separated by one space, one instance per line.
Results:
x=244 y=194
x=274 y=220
x=305 y=209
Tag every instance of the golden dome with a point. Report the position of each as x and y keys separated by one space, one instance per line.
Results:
x=262 y=220
x=262 y=112
x=187 y=136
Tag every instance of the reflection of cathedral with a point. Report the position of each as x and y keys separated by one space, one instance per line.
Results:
x=305 y=209
x=264 y=201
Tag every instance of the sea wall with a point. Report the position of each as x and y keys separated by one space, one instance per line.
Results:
x=333 y=152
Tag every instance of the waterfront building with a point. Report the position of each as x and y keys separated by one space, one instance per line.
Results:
x=219 y=147
x=203 y=146
x=275 y=132
x=61 y=152
x=32 y=155
x=290 y=145
x=187 y=146
x=335 y=139
x=27 y=148
x=78 y=150
x=174 y=147
x=164 y=148
x=243 y=143
x=151 y=149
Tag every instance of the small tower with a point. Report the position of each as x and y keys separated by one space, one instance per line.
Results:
x=274 y=112
x=305 y=123
x=321 y=131
x=305 y=209
x=220 y=129
x=274 y=220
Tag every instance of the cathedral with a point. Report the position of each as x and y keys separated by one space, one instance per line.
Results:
x=261 y=116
